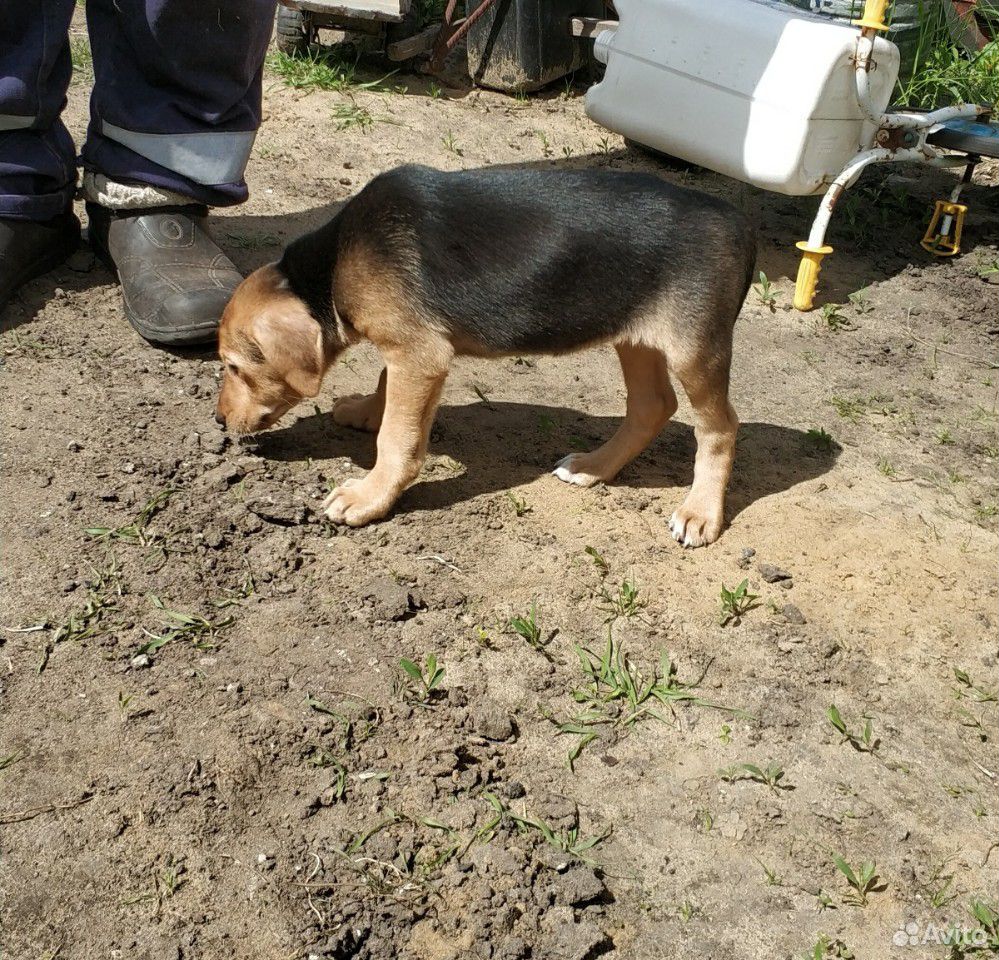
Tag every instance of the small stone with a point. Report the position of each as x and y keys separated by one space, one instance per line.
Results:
x=141 y=661
x=792 y=614
x=73 y=446
x=579 y=886
x=772 y=574
x=493 y=723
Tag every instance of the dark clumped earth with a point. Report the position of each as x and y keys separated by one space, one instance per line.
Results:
x=515 y=719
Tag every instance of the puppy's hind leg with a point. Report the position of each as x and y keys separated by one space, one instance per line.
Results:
x=700 y=519
x=651 y=402
x=362 y=412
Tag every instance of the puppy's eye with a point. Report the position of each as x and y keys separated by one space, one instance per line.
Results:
x=232 y=368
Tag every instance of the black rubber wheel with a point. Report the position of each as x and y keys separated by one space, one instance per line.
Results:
x=294 y=31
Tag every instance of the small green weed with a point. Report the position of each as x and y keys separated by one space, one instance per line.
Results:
x=859 y=302
x=766 y=293
x=826 y=949
x=863 y=881
x=625 y=602
x=520 y=506
x=603 y=567
x=528 y=629
x=864 y=742
x=821 y=440
x=834 y=319
x=772 y=775
x=972 y=691
x=424 y=680
x=252 y=241
x=451 y=144
x=735 y=603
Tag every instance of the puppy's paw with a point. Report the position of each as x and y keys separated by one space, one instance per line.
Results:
x=695 y=525
x=356 y=502
x=359 y=412
x=572 y=468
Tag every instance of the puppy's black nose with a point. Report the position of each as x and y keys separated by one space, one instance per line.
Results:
x=219 y=419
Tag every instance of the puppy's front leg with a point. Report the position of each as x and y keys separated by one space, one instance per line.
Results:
x=362 y=412
x=412 y=391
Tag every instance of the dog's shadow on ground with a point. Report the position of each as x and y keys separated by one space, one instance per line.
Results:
x=501 y=445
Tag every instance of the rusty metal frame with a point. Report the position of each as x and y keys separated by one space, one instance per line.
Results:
x=452 y=30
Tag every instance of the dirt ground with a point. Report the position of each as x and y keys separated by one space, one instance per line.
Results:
x=208 y=746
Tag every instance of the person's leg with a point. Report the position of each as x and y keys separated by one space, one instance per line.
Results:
x=175 y=110
x=37 y=164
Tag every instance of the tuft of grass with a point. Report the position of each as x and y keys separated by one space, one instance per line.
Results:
x=137 y=533
x=102 y=592
x=251 y=241
x=943 y=73
x=569 y=841
x=616 y=694
x=451 y=144
x=527 y=629
x=319 y=70
x=348 y=115
x=625 y=602
x=11 y=759
x=863 y=880
x=201 y=631
x=766 y=293
x=82 y=58
x=736 y=602
x=970 y=690
x=821 y=439
x=886 y=468
x=772 y=879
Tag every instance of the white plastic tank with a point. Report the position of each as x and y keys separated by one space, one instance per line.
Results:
x=754 y=89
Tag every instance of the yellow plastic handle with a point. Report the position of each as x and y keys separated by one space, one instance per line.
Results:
x=874 y=16
x=808 y=274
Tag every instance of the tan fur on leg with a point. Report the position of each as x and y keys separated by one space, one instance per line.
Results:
x=362 y=412
x=651 y=402
x=413 y=390
x=700 y=519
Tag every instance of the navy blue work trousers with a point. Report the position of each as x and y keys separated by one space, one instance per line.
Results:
x=175 y=102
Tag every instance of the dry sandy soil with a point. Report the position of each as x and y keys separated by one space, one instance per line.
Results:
x=208 y=747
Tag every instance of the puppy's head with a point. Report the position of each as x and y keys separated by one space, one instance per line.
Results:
x=273 y=353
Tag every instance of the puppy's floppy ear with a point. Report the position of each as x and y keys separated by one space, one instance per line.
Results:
x=292 y=343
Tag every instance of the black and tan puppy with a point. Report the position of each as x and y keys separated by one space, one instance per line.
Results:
x=428 y=265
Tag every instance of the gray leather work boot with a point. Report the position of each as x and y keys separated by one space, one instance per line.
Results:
x=174 y=280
